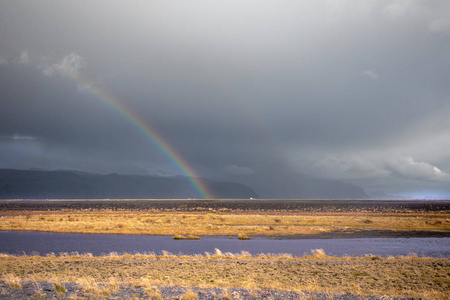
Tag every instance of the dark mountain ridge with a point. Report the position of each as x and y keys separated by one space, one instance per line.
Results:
x=292 y=185
x=63 y=184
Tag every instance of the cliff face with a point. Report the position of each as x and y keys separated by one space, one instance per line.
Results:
x=20 y=184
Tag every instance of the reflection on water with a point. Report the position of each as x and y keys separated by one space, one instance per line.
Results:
x=45 y=242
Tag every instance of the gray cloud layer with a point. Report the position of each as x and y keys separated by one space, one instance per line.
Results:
x=350 y=90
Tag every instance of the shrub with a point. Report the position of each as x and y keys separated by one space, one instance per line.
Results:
x=243 y=236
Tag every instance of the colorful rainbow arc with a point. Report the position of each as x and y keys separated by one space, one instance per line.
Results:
x=103 y=95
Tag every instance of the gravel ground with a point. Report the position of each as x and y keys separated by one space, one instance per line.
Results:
x=233 y=205
x=40 y=290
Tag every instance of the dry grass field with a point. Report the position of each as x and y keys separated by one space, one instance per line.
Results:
x=149 y=276
x=102 y=277
x=223 y=223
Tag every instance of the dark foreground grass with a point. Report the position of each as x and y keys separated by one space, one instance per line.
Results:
x=103 y=276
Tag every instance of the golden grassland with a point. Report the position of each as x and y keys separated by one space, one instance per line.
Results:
x=102 y=276
x=410 y=276
x=218 y=223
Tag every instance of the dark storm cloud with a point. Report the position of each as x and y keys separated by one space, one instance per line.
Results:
x=350 y=90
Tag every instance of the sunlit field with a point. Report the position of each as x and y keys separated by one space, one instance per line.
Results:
x=108 y=276
x=221 y=223
x=225 y=275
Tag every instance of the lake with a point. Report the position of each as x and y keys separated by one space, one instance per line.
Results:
x=42 y=243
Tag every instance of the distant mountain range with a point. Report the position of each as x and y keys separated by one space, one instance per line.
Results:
x=330 y=189
x=63 y=184
x=300 y=186
x=67 y=184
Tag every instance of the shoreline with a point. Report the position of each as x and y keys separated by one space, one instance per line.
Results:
x=328 y=235
x=317 y=276
x=282 y=219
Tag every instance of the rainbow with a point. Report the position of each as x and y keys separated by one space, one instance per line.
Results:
x=150 y=133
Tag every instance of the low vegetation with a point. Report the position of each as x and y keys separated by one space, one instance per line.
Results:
x=189 y=295
x=243 y=236
x=103 y=276
x=108 y=276
x=189 y=237
x=221 y=223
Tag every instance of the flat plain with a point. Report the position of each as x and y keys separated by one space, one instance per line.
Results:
x=278 y=218
x=149 y=275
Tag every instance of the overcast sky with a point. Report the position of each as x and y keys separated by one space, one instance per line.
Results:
x=245 y=90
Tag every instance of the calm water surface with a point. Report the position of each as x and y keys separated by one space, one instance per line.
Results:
x=12 y=242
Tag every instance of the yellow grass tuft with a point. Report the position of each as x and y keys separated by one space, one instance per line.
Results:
x=60 y=288
x=189 y=295
x=243 y=236
x=192 y=237
x=182 y=237
x=13 y=281
x=226 y=295
x=154 y=293
x=318 y=253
